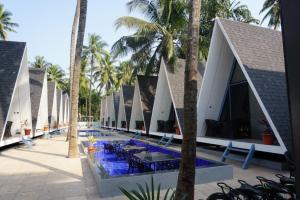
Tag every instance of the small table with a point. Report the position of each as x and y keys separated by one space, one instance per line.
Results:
x=155 y=157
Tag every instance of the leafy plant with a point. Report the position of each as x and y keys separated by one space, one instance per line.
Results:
x=91 y=140
x=267 y=126
x=147 y=193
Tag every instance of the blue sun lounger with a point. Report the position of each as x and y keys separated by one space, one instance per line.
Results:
x=165 y=140
x=137 y=135
x=27 y=141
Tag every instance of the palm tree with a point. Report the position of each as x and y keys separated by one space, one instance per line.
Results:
x=56 y=74
x=40 y=62
x=72 y=49
x=125 y=74
x=92 y=53
x=273 y=13
x=73 y=148
x=155 y=37
x=105 y=75
x=227 y=9
x=186 y=176
x=5 y=23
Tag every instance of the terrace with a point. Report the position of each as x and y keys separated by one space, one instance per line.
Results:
x=46 y=173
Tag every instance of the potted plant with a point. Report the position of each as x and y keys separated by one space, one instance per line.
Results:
x=46 y=128
x=268 y=136
x=177 y=130
x=91 y=147
x=26 y=130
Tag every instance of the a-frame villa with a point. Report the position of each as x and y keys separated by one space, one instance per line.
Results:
x=125 y=105
x=243 y=98
x=15 y=106
x=52 y=105
x=39 y=100
x=110 y=110
x=60 y=119
x=143 y=99
x=116 y=99
x=167 y=114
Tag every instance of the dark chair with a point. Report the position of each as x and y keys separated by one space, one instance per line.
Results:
x=160 y=125
x=139 y=125
x=7 y=132
x=123 y=124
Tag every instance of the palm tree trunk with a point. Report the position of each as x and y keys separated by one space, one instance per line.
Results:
x=186 y=176
x=72 y=50
x=73 y=146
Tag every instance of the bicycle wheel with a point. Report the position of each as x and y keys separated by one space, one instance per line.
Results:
x=218 y=196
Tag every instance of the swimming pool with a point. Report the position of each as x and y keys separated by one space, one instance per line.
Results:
x=111 y=172
x=113 y=166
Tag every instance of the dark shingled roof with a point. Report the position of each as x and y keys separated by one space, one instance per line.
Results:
x=261 y=52
x=176 y=81
x=51 y=89
x=147 y=86
x=11 y=54
x=36 y=80
x=58 y=95
x=128 y=92
x=116 y=96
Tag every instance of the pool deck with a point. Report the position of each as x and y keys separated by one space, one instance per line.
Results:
x=44 y=173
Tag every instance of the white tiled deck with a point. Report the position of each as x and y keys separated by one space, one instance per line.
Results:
x=45 y=173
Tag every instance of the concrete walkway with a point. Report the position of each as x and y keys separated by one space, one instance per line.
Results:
x=44 y=173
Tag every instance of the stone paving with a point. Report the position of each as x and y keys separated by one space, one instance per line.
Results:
x=44 y=173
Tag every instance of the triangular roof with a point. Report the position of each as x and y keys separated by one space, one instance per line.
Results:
x=260 y=52
x=147 y=86
x=51 y=89
x=36 y=80
x=116 y=96
x=128 y=92
x=11 y=56
x=175 y=77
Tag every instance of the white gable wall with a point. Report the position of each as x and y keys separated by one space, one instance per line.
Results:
x=19 y=111
x=162 y=102
x=54 y=110
x=112 y=111
x=121 y=113
x=60 y=114
x=42 y=118
x=137 y=111
x=215 y=80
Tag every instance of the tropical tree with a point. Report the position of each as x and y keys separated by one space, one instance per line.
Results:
x=186 y=177
x=40 y=62
x=273 y=13
x=211 y=9
x=125 y=74
x=155 y=38
x=105 y=75
x=6 y=25
x=73 y=147
x=72 y=49
x=93 y=54
x=56 y=74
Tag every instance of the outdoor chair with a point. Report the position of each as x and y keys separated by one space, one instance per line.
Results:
x=137 y=135
x=27 y=141
x=7 y=132
x=166 y=141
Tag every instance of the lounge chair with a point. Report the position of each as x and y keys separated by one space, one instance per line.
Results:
x=165 y=140
x=27 y=141
x=137 y=135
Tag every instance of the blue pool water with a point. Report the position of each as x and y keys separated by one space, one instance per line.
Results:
x=113 y=166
